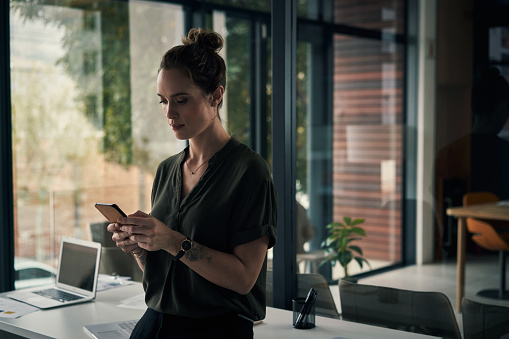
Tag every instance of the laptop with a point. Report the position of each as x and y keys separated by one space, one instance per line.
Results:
x=117 y=330
x=78 y=269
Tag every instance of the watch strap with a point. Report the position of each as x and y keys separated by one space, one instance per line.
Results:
x=183 y=251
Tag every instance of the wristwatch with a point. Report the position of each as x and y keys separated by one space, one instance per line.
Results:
x=185 y=246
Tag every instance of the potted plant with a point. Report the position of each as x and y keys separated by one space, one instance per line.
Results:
x=338 y=245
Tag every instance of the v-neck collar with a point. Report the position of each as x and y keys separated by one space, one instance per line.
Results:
x=214 y=160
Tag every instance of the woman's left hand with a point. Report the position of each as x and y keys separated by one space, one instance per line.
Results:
x=150 y=233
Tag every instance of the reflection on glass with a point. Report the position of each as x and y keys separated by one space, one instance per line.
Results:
x=87 y=126
x=499 y=44
x=477 y=160
x=385 y=15
x=238 y=77
x=367 y=143
x=309 y=255
x=258 y=5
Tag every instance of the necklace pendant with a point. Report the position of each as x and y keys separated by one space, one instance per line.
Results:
x=196 y=170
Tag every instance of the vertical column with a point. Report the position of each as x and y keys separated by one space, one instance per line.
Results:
x=257 y=88
x=425 y=127
x=284 y=40
x=6 y=173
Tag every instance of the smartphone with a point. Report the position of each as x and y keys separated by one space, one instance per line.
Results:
x=111 y=211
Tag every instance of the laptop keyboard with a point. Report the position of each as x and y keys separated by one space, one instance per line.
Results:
x=58 y=295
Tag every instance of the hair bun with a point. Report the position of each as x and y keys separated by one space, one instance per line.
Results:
x=207 y=39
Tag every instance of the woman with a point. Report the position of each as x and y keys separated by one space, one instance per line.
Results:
x=203 y=247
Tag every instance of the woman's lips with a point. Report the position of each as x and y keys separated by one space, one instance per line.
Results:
x=176 y=127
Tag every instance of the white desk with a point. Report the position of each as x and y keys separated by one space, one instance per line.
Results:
x=278 y=325
x=67 y=322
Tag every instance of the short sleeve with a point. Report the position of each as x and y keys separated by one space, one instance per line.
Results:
x=255 y=209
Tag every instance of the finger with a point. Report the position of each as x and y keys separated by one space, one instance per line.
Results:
x=119 y=236
x=112 y=227
x=143 y=245
x=132 y=229
x=135 y=238
x=140 y=214
x=126 y=243
x=140 y=238
x=134 y=218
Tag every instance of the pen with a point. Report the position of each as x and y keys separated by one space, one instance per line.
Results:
x=306 y=308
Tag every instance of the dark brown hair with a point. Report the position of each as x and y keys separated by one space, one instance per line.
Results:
x=199 y=58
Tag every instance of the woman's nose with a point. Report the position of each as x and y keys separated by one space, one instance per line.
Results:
x=170 y=113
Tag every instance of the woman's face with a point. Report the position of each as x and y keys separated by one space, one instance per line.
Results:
x=188 y=110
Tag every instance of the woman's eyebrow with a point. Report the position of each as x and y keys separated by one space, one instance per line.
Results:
x=174 y=95
x=179 y=94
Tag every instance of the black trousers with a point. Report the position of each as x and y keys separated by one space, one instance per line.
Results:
x=154 y=325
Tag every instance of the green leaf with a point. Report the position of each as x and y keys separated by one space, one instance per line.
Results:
x=345 y=258
x=338 y=246
x=358 y=230
x=353 y=239
x=358 y=221
x=362 y=260
x=359 y=261
x=343 y=242
x=335 y=225
x=356 y=249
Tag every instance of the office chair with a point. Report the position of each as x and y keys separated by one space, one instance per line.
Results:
x=324 y=305
x=483 y=321
x=429 y=313
x=489 y=235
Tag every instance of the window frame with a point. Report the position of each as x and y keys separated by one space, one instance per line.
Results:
x=283 y=147
x=6 y=175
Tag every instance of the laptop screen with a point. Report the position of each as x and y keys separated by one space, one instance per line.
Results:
x=77 y=266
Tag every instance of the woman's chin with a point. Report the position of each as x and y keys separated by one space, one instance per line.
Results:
x=180 y=136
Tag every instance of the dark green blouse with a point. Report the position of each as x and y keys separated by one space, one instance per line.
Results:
x=233 y=203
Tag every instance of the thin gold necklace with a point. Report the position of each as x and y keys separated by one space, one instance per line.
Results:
x=194 y=172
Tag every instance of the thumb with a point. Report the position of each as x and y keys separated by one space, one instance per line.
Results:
x=140 y=214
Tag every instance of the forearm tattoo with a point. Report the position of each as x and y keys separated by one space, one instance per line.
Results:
x=198 y=253
x=143 y=259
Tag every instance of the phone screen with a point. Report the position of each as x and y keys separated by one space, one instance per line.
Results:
x=110 y=211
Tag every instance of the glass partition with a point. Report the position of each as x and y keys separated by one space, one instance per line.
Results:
x=87 y=126
x=367 y=145
x=385 y=15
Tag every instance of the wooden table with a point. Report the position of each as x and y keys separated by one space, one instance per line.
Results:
x=493 y=211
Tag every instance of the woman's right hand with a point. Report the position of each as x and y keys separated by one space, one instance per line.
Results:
x=121 y=238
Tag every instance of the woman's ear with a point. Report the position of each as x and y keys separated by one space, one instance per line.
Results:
x=217 y=96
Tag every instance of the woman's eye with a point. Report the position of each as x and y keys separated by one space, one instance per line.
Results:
x=181 y=101
x=162 y=102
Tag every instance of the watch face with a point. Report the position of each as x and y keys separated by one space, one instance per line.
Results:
x=186 y=245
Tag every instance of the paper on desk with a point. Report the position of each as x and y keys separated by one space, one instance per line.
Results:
x=136 y=302
x=105 y=281
x=14 y=309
